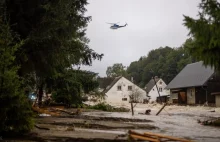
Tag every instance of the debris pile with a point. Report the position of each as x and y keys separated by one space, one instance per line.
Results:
x=212 y=122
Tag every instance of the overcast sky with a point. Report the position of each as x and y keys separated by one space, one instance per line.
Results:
x=151 y=24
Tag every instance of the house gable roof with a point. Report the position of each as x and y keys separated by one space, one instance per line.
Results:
x=192 y=75
x=151 y=84
x=105 y=81
x=112 y=84
x=115 y=81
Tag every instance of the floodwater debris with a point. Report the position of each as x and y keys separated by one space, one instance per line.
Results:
x=147 y=112
x=210 y=122
x=44 y=114
x=42 y=128
x=154 y=137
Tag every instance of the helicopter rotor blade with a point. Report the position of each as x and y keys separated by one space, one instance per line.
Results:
x=112 y=23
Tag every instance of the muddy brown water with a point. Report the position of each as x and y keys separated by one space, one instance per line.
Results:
x=175 y=122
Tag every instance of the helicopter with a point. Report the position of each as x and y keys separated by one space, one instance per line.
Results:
x=116 y=26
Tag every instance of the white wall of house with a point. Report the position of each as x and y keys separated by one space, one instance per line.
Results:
x=120 y=95
x=161 y=87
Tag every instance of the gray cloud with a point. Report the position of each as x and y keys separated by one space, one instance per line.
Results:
x=151 y=24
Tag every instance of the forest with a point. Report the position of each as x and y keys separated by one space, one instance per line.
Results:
x=164 y=62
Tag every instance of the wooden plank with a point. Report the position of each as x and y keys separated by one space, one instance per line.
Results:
x=141 y=135
x=168 y=137
x=143 y=138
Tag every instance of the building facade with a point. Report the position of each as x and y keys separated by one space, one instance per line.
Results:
x=120 y=90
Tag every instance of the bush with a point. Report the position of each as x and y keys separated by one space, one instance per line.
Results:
x=106 y=107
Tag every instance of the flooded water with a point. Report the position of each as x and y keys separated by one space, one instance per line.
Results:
x=175 y=121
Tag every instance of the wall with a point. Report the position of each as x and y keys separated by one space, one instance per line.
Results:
x=191 y=98
x=153 y=92
x=217 y=100
x=173 y=97
x=114 y=96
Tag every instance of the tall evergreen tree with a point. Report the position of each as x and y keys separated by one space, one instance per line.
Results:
x=54 y=36
x=15 y=111
x=204 y=43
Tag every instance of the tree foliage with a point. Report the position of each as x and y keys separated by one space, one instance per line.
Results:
x=204 y=43
x=15 y=110
x=163 y=62
x=54 y=38
x=116 y=70
x=71 y=85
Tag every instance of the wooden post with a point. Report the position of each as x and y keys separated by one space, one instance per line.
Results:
x=132 y=108
x=157 y=89
x=161 y=109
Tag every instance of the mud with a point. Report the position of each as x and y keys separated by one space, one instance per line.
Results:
x=99 y=123
x=87 y=117
x=83 y=128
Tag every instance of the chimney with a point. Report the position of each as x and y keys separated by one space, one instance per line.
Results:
x=132 y=79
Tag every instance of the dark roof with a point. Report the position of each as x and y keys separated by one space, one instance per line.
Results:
x=112 y=84
x=151 y=84
x=192 y=75
x=105 y=81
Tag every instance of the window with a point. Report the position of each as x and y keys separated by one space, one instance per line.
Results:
x=119 y=88
x=129 y=88
x=124 y=99
x=161 y=82
x=160 y=89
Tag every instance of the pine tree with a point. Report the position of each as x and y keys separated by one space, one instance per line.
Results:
x=204 y=43
x=15 y=111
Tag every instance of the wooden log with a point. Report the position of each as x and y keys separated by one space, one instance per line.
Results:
x=154 y=137
x=167 y=137
x=143 y=138
x=133 y=133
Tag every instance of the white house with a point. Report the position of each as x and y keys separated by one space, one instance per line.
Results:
x=118 y=92
x=151 y=89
